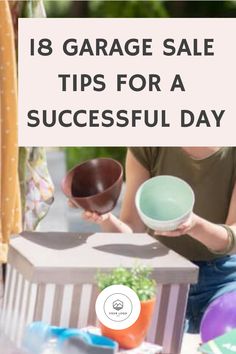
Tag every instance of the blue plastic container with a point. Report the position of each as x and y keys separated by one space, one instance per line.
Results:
x=41 y=338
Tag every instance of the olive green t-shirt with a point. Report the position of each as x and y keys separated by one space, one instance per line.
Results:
x=212 y=180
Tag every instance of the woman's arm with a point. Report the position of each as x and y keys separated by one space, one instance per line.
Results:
x=129 y=220
x=136 y=174
x=213 y=236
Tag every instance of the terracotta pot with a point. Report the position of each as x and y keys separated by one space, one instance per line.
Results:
x=94 y=185
x=133 y=336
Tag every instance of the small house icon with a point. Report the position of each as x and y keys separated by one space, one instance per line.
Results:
x=118 y=305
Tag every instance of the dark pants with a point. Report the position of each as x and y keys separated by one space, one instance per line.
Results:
x=216 y=278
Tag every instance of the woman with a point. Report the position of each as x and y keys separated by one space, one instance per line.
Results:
x=208 y=238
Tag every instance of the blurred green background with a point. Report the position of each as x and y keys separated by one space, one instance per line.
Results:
x=75 y=155
x=131 y=8
x=137 y=8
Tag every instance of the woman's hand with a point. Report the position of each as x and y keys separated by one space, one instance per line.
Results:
x=94 y=217
x=108 y=222
x=90 y=216
x=213 y=236
x=185 y=228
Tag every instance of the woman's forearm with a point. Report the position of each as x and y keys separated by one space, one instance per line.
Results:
x=213 y=236
x=113 y=224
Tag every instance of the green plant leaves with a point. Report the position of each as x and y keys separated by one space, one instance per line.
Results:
x=137 y=278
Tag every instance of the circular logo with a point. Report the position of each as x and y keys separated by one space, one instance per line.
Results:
x=118 y=307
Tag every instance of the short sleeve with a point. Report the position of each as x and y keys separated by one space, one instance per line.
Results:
x=147 y=156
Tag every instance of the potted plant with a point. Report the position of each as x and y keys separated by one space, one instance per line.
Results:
x=139 y=280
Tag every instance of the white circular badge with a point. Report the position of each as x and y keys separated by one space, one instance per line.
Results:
x=118 y=307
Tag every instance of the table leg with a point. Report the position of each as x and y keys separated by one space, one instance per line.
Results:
x=92 y=318
x=168 y=320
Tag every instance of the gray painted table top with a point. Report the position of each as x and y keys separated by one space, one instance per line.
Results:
x=71 y=257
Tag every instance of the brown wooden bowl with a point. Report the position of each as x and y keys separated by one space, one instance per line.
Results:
x=94 y=185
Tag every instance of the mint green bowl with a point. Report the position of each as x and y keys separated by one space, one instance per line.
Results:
x=164 y=202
